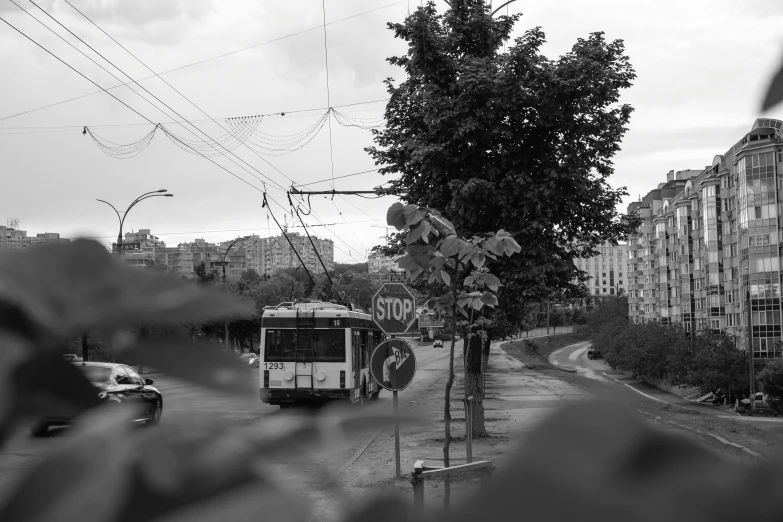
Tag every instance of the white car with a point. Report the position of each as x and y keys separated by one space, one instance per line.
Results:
x=438 y=344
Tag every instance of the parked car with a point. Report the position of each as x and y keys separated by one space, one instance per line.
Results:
x=117 y=383
x=251 y=359
x=71 y=357
x=438 y=344
x=594 y=354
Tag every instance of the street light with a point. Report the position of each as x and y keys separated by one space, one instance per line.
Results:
x=225 y=325
x=154 y=193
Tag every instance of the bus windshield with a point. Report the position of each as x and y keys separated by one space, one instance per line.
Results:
x=328 y=345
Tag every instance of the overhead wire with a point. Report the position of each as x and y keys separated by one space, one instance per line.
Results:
x=151 y=94
x=207 y=60
x=142 y=116
x=328 y=91
x=147 y=119
x=285 y=114
x=203 y=112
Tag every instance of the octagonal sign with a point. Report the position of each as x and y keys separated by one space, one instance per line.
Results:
x=394 y=308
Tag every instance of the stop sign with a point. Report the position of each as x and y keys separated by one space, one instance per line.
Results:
x=394 y=308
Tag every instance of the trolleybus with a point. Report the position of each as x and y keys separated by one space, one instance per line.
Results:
x=313 y=352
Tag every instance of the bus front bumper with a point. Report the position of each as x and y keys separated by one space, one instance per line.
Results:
x=290 y=395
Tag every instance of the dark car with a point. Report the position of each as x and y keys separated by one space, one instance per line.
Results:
x=117 y=383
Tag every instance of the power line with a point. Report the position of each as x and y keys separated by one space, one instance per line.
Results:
x=339 y=177
x=206 y=60
x=150 y=121
x=282 y=114
x=167 y=83
x=328 y=92
x=203 y=112
x=156 y=98
x=147 y=119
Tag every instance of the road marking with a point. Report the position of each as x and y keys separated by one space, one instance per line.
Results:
x=576 y=353
x=761 y=419
x=642 y=393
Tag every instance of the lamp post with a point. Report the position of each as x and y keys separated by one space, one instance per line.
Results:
x=154 y=193
x=121 y=218
x=225 y=254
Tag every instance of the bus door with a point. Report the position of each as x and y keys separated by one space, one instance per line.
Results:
x=356 y=361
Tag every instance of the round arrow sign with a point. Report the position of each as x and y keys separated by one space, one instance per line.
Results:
x=393 y=364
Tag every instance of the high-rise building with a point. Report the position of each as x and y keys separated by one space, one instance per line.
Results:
x=275 y=253
x=707 y=254
x=607 y=271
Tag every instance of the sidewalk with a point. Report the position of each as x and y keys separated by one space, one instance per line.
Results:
x=516 y=402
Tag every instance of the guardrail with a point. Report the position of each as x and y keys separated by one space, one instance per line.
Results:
x=422 y=473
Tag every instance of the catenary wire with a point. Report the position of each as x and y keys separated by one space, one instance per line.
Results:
x=278 y=170
x=207 y=60
x=145 y=118
x=148 y=92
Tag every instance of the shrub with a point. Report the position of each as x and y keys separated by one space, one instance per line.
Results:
x=771 y=382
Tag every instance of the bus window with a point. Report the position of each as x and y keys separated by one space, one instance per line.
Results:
x=363 y=357
x=328 y=345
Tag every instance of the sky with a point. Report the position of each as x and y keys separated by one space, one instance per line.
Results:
x=702 y=68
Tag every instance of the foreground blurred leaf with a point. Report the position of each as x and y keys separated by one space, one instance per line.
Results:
x=83 y=480
x=598 y=462
x=249 y=503
x=199 y=362
x=75 y=287
x=43 y=384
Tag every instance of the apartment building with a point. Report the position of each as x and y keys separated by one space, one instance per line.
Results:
x=271 y=254
x=377 y=261
x=607 y=271
x=11 y=238
x=707 y=254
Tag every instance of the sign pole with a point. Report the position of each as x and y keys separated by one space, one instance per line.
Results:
x=396 y=435
x=398 y=472
x=393 y=363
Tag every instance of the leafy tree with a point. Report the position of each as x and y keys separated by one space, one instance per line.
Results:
x=340 y=269
x=203 y=275
x=508 y=139
x=434 y=249
x=359 y=291
x=771 y=382
x=718 y=364
x=394 y=247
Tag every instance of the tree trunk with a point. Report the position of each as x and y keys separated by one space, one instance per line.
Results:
x=447 y=402
x=474 y=383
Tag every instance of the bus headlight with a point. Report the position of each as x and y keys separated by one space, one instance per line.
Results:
x=288 y=376
x=320 y=376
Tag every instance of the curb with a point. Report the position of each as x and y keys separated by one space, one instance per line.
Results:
x=727 y=445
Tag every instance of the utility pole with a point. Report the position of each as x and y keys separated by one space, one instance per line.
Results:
x=224 y=263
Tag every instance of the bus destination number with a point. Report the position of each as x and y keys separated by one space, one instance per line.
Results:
x=273 y=366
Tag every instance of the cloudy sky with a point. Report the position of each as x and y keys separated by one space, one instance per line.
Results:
x=702 y=67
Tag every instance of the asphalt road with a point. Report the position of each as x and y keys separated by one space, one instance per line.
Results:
x=185 y=401
x=575 y=357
